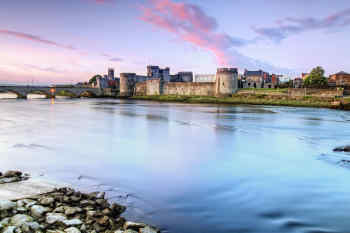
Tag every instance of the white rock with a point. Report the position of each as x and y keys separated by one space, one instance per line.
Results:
x=38 y=210
x=55 y=217
x=130 y=231
x=72 y=230
x=119 y=231
x=7 y=205
x=133 y=225
x=10 y=229
x=47 y=201
x=20 y=219
x=72 y=222
x=148 y=229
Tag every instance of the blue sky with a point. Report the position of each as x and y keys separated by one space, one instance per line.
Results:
x=71 y=40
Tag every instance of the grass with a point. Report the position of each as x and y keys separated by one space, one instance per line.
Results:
x=258 y=99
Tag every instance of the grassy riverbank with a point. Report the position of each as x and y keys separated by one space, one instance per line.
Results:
x=257 y=99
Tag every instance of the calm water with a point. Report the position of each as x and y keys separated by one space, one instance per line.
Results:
x=190 y=168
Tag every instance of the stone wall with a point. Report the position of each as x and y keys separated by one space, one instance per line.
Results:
x=154 y=87
x=140 y=89
x=323 y=93
x=199 y=89
x=295 y=92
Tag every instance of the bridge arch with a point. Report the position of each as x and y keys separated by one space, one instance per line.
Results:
x=66 y=92
x=39 y=92
x=9 y=91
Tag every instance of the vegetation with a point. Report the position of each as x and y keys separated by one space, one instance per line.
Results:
x=94 y=79
x=316 y=78
x=257 y=99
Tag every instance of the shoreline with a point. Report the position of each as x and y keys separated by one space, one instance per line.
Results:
x=257 y=99
x=39 y=206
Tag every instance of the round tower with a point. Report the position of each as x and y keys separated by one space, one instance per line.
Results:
x=124 y=86
x=226 y=81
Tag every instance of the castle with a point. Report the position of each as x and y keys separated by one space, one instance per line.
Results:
x=160 y=82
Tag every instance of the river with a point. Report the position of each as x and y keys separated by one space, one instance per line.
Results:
x=190 y=168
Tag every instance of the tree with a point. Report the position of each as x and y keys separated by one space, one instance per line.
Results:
x=316 y=78
x=94 y=78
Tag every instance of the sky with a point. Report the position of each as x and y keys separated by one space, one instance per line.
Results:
x=69 y=41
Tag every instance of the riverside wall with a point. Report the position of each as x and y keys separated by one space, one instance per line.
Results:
x=295 y=92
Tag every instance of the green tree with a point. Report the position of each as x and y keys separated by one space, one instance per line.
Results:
x=94 y=78
x=316 y=78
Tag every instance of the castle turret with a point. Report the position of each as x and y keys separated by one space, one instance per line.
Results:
x=126 y=84
x=226 y=81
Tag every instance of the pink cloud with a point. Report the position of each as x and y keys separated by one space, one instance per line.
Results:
x=190 y=23
x=35 y=38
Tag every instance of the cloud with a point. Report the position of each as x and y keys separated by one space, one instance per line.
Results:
x=35 y=38
x=291 y=26
x=116 y=59
x=191 y=24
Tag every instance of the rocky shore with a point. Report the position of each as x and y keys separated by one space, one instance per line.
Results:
x=12 y=176
x=65 y=210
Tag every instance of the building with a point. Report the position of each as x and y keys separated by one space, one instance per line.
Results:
x=225 y=84
x=154 y=72
x=107 y=81
x=205 y=78
x=339 y=79
x=111 y=74
x=182 y=77
x=254 y=79
x=298 y=82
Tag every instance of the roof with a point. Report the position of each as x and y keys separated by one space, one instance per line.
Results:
x=342 y=72
x=253 y=73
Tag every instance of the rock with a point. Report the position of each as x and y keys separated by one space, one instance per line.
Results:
x=54 y=231
x=72 y=210
x=30 y=226
x=38 y=211
x=342 y=149
x=9 y=180
x=9 y=229
x=19 y=219
x=149 y=229
x=7 y=205
x=12 y=174
x=133 y=225
x=73 y=222
x=103 y=221
x=59 y=209
x=130 y=231
x=47 y=201
x=52 y=218
x=72 y=230
x=117 y=209
x=119 y=231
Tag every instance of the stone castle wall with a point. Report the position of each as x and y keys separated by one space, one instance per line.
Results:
x=181 y=88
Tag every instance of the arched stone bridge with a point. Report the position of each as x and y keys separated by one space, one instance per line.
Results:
x=50 y=92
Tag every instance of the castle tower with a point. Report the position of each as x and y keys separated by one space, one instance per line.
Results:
x=226 y=81
x=126 y=84
x=110 y=73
